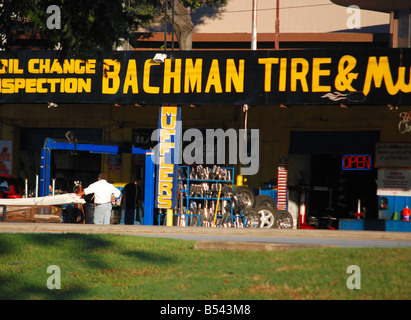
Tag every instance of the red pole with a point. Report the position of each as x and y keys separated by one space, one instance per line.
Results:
x=277 y=26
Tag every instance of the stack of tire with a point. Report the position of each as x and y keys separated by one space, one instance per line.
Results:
x=261 y=211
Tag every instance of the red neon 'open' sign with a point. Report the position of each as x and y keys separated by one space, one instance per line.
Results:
x=356 y=162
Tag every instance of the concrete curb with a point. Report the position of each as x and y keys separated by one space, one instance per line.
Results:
x=24 y=227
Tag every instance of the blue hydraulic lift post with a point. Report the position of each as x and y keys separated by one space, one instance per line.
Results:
x=51 y=144
x=44 y=172
x=149 y=189
x=48 y=174
x=149 y=184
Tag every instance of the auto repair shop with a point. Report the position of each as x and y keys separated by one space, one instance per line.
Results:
x=313 y=108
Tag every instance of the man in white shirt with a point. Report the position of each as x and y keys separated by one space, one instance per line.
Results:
x=104 y=194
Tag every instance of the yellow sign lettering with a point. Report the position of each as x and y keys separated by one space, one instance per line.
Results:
x=192 y=77
x=40 y=88
x=175 y=75
x=10 y=66
x=214 y=78
x=283 y=75
x=165 y=134
x=164 y=172
x=317 y=73
x=131 y=77
x=31 y=85
x=297 y=75
x=91 y=66
x=69 y=66
x=235 y=77
x=56 y=67
x=379 y=71
x=33 y=65
x=345 y=76
x=19 y=84
x=164 y=201
x=168 y=117
x=146 y=80
x=268 y=62
x=3 y=66
x=165 y=188
x=111 y=79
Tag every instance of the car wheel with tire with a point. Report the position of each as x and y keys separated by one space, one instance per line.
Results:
x=246 y=194
x=252 y=219
x=284 y=220
x=268 y=216
x=263 y=199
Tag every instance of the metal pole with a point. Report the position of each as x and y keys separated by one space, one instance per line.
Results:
x=37 y=185
x=128 y=39
x=172 y=28
x=254 y=27
x=165 y=25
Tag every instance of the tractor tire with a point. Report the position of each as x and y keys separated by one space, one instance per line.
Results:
x=263 y=199
x=246 y=194
x=284 y=220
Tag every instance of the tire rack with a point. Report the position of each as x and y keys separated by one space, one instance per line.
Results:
x=201 y=189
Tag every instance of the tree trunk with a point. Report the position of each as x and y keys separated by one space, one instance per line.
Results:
x=183 y=26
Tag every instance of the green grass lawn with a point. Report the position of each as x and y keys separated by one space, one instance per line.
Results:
x=108 y=266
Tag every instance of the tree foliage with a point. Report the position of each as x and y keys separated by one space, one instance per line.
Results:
x=91 y=25
x=86 y=25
